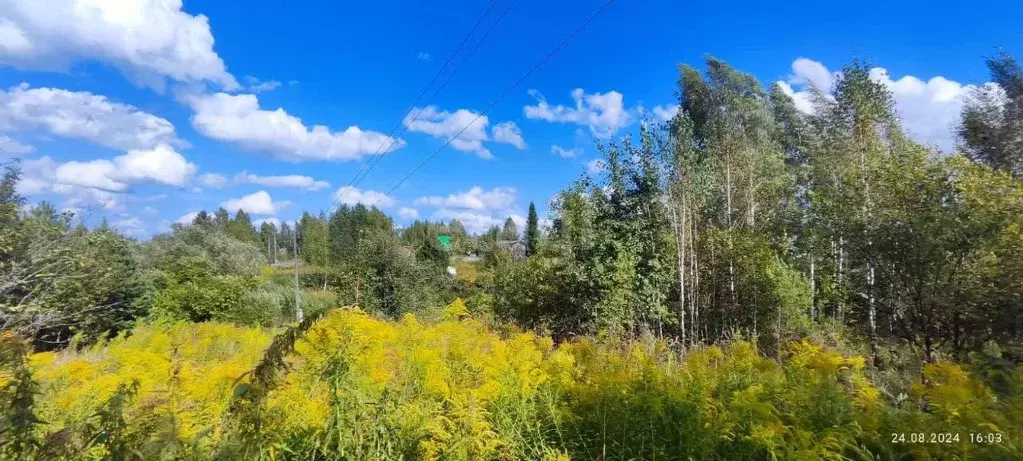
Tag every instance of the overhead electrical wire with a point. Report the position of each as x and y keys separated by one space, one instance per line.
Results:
x=374 y=158
x=377 y=158
x=503 y=95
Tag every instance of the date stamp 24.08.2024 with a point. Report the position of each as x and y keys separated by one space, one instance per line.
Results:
x=946 y=437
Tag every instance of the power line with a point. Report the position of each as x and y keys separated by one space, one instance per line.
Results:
x=376 y=159
x=505 y=94
x=447 y=61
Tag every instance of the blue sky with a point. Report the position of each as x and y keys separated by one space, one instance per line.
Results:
x=144 y=111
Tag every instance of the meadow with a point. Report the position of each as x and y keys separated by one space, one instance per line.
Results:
x=350 y=386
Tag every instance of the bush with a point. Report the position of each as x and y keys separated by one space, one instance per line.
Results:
x=195 y=293
x=361 y=388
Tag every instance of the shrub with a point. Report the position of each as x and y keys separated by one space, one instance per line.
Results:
x=357 y=387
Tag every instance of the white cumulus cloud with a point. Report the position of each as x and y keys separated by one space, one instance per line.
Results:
x=928 y=109
x=212 y=180
x=12 y=147
x=239 y=119
x=475 y=198
x=807 y=71
x=162 y=165
x=292 y=180
x=509 y=133
x=408 y=213
x=255 y=85
x=603 y=113
x=665 y=113
x=82 y=115
x=565 y=153
x=39 y=176
x=149 y=40
x=469 y=127
x=257 y=203
x=474 y=222
x=130 y=225
x=349 y=195
x=187 y=218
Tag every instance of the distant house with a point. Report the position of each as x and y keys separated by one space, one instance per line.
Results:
x=515 y=247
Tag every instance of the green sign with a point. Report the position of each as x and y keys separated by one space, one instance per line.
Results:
x=445 y=241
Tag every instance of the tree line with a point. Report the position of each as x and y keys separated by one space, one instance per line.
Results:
x=741 y=217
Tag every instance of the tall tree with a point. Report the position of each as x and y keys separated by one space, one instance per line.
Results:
x=532 y=230
x=314 y=240
x=457 y=229
x=221 y=218
x=992 y=119
x=510 y=231
x=285 y=239
x=203 y=219
x=241 y=227
x=268 y=240
x=492 y=234
x=10 y=205
x=726 y=129
x=859 y=131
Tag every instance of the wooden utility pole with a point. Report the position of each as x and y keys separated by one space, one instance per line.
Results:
x=298 y=297
x=274 y=233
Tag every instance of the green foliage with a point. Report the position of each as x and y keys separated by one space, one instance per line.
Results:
x=421 y=238
x=313 y=240
x=510 y=231
x=195 y=293
x=18 y=390
x=377 y=272
x=10 y=205
x=532 y=235
x=993 y=117
x=608 y=264
x=711 y=258
x=268 y=241
x=349 y=386
x=57 y=282
x=240 y=228
x=228 y=255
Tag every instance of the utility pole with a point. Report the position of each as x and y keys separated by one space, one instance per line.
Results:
x=275 y=244
x=298 y=297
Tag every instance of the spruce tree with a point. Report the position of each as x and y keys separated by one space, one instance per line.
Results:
x=532 y=230
x=510 y=230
